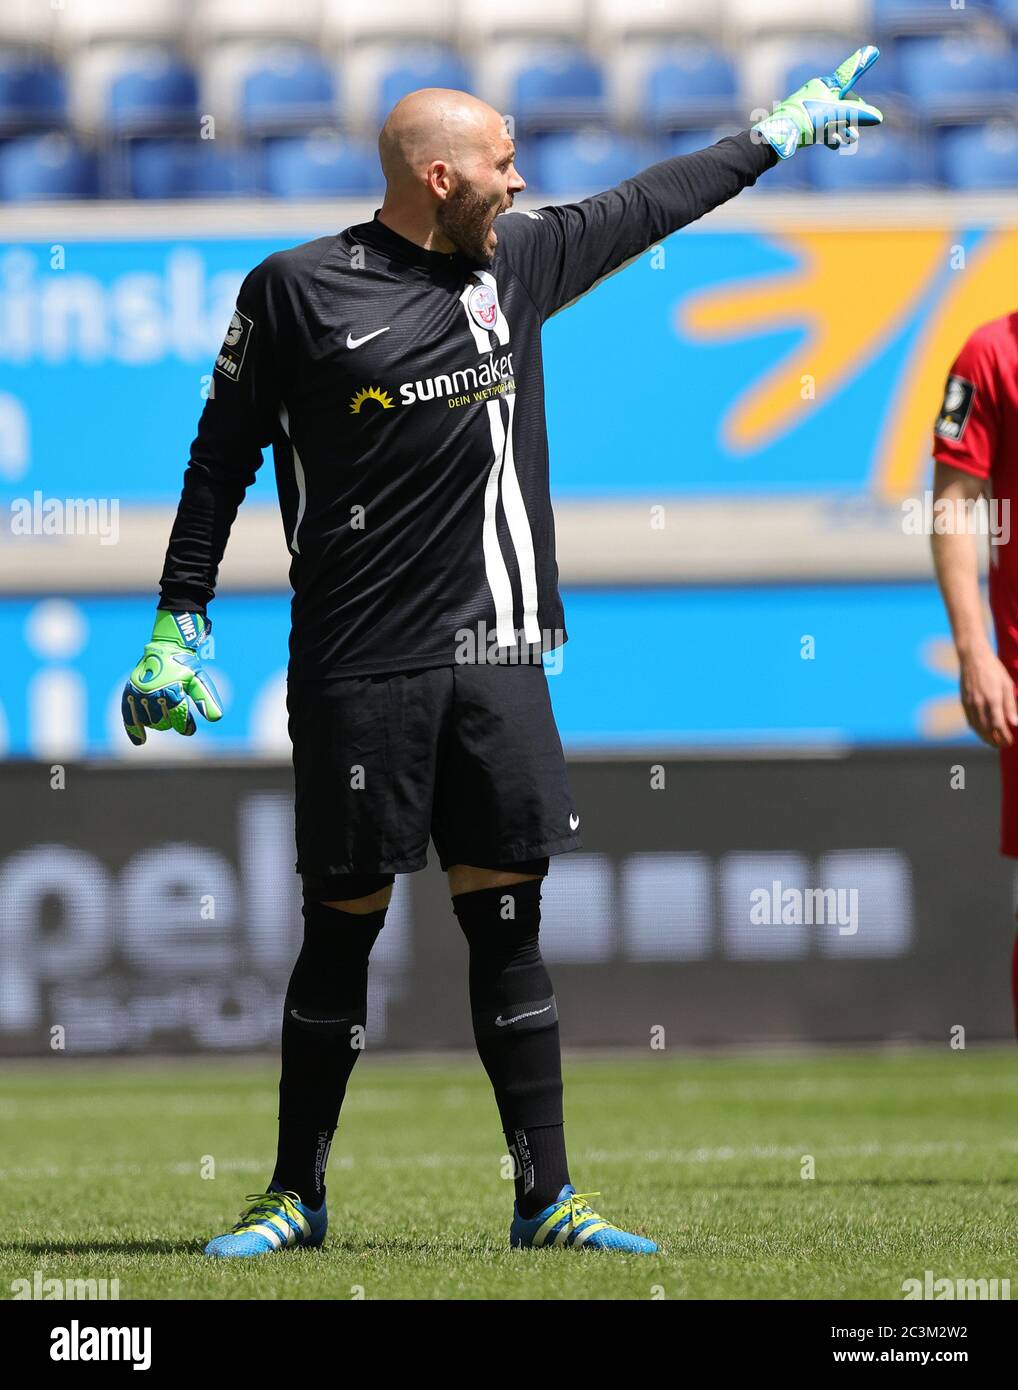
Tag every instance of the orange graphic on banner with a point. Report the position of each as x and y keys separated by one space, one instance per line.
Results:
x=851 y=292
x=984 y=288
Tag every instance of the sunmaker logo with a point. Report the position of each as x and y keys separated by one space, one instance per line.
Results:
x=468 y=386
x=371 y=393
x=494 y=372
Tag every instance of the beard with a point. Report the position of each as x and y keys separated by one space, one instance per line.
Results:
x=466 y=218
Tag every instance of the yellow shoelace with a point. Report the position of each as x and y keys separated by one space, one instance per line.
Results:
x=580 y=1211
x=266 y=1204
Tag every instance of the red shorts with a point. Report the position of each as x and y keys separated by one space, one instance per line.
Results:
x=1009 y=801
x=1008 y=654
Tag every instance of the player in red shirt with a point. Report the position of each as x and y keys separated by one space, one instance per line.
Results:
x=975 y=446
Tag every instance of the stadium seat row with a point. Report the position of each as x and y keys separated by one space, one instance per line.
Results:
x=252 y=88
x=340 y=23
x=556 y=164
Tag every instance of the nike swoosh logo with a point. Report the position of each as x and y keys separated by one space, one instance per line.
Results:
x=574 y=822
x=302 y=1019
x=501 y=1022
x=353 y=342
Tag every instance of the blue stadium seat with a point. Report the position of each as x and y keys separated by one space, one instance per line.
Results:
x=825 y=59
x=788 y=175
x=289 y=86
x=950 y=78
x=42 y=167
x=32 y=93
x=980 y=157
x=319 y=166
x=1007 y=10
x=919 y=16
x=423 y=65
x=157 y=89
x=563 y=163
x=564 y=87
x=690 y=140
x=189 y=169
x=882 y=159
x=690 y=83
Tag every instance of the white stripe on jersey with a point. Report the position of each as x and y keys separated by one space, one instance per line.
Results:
x=494 y=561
x=298 y=473
x=519 y=529
x=503 y=473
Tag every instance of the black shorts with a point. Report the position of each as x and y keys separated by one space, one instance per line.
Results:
x=466 y=755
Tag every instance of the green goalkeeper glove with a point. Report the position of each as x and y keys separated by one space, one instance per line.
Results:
x=822 y=110
x=169 y=681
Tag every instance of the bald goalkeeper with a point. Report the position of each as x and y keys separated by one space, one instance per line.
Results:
x=395 y=368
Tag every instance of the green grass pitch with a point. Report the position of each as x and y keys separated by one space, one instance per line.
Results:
x=915 y=1154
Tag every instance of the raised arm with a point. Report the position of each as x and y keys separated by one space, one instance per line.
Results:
x=561 y=252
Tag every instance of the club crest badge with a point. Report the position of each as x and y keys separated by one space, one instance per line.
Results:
x=483 y=306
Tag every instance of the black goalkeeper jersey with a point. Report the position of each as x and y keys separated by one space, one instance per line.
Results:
x=402 y=392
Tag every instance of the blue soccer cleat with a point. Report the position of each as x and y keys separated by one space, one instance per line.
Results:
x=570 y=1221
x=274 y=1221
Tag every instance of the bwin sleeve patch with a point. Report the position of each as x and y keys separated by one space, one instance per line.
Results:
x=231 y=355
x=954 y=413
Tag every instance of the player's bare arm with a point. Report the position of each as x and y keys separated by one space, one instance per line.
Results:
x=987 y=688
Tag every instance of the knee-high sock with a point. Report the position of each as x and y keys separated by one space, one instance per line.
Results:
x=1014 y=980
x=515 y=1020
x=323 y=1035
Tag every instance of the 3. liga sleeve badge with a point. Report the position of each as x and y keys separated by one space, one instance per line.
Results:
x=954 y=413
x=232 y=353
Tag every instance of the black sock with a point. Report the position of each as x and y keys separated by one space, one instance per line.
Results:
x=516 y=1029
x=540 y=1166
x=323 y=1022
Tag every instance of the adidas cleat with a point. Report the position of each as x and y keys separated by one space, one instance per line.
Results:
x=274 y=1221
x=570 y=1221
